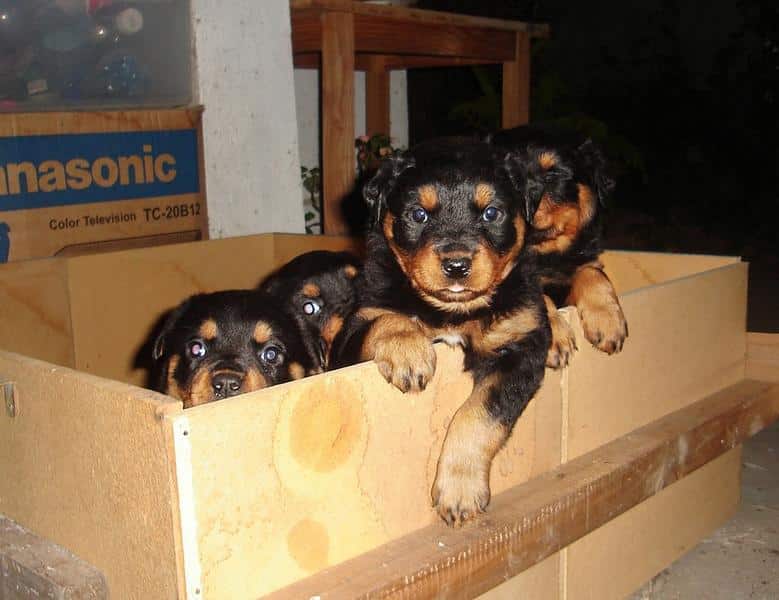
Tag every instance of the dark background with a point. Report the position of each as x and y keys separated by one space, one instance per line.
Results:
x=682 y=97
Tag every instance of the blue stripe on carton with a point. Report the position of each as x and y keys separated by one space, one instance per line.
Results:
x=44 y=171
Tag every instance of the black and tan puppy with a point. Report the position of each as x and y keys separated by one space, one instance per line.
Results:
x=447 y=261
x=317 y=290
x=213 y=346
x=564 y=185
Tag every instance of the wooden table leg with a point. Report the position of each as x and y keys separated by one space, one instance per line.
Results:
x=516 y=84
x=338 y=161
x=377 y=99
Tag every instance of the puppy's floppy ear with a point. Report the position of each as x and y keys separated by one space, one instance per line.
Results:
x=381 y=184
x=595 y=163
x=170 y=322
x=528 y=189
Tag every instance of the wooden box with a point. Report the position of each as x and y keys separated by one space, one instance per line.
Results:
x=242 y=497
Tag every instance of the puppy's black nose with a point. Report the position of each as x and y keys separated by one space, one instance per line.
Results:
x=226 y=384
x=456 y=267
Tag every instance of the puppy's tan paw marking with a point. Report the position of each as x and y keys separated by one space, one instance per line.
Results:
x=407 y=360
x=460 y=492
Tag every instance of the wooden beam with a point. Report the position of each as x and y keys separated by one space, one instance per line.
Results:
x=530 y=522
x=516 y=84
x=338 y=161
x=392 y=62
x=387 y=36
x=377 y=99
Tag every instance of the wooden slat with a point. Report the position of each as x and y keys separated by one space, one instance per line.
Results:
x=433 y=39
x=377 y=99
x=364 y=62
x=418 y=15
x=338 y=162
x=530 y=522
x=516 y=84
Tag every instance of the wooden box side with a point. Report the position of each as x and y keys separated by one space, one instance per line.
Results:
x=117 y=298
x=85 y=463
x=616 y=559
x=35 y=310
x=326 y=468
x=687 y=340
x=630 y=270
x=289 y=245
x=763 y=356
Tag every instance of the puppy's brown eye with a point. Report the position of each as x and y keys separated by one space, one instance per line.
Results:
x=491 y=214
x=419 y=215
x=271 y=355
x=311 y=307
x=197 y=349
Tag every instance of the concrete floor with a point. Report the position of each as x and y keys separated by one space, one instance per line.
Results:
x=741 y=559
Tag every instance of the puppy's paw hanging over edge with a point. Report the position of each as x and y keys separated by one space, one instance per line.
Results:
x=563 y=345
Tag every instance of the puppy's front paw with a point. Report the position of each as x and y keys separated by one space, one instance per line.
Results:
x=460 y=492
x=563 y=342
x=406 y=360
x=604 y=325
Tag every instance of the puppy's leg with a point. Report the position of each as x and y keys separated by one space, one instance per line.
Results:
x=462 y=483
x=563 y=339
x=503 y=387
x=401 y=350
x=601 y=314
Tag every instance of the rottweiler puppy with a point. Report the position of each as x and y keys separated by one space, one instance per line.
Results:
x=317 y=290
x=218 y=345
x=446 y=261
x=564 y=185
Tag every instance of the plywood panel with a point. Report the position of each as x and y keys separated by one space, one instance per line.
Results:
x=117 y=297
x=632 y=270
x=530 y=522
x=35 y=310
x=84 y=463
x=329 y=467
x=537 y=583
x=618 y=558
x=763 y=356
x=686 y=340
x=287 y=246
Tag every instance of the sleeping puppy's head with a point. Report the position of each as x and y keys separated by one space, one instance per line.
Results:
x=449 y=212
x=213 y=346
x=566 y=182
x=317 y=290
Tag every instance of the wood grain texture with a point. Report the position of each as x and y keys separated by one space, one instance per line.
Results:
x=532 y=521
x=35 y=310
x=338 y=158
x=335 y=465
x=84 y=463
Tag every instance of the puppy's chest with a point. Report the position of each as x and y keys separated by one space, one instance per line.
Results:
x=483 y=336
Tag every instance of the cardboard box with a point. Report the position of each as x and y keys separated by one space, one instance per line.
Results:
x=81 y=182
x=237 y=498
